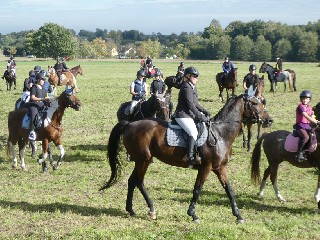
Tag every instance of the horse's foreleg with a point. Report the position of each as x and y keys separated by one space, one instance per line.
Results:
x=223 y=178
x=244 y=140
x=201 y=178
x=44 y=155
x=249 y=137
x=22 y=146
x=259 y=130
x=274 y=178
x=61 y=149
x=132 y=183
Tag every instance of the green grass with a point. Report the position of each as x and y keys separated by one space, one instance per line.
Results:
x=66 y=204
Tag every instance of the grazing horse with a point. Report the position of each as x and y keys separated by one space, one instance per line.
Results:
x=146 y=139
x=258 y=86
x=145 y=109
x=273 y=146
x=50 y=132
x=286 y=75
x=229 y=82
x=76 y=70
x=10 y=79
x=67 y=79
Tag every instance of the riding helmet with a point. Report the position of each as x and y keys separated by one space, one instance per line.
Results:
x=41 y=75
x=182 y=63
x=306 y=93
x=157 y=73
x=37 y=68
x=252 y=67
x=191 y=70
x=32 y=73
x=226 y=59
x=141 y=73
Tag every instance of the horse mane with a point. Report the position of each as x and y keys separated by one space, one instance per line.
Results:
x=224 y=112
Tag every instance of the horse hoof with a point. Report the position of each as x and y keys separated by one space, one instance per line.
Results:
x=197 y=221
x=39 y=161
x=240 y=221
x=152 y=215
x=14 y=166
x=24 y=169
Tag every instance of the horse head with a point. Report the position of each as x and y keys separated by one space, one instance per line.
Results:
x=255 y=112
x=69 y=99
x=161 y=106
x=263 y=67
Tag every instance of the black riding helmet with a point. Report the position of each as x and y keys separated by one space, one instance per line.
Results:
x=157 y=73
x=37 y=68
x=141 y=73
x=191 y=70
x=41 y=75
x=252 y=67
x=306 y=94
x=32 y=73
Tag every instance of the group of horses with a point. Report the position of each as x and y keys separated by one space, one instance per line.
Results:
x=50 y=130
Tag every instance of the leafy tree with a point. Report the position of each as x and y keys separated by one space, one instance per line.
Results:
x=221 y=47
x=52 y=40
x=261 y=50
x=241 y=47
x=305 y=46
x=213 y=30
x=150 y=48
x=282 y=49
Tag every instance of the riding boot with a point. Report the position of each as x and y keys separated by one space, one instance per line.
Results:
x=60 y=80
x=2 y=77
x=191 y=158
x=300 y=157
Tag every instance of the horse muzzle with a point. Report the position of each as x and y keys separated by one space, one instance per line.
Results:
x=265 y=123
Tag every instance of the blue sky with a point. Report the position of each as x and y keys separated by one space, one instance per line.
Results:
x=148 y=16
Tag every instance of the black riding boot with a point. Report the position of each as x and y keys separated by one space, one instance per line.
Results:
x=299 y=156
x=60 y=80
x=191 y=158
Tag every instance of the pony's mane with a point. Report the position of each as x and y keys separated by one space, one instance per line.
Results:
x=224 y=112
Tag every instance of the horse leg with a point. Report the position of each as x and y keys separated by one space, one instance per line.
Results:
x=317 y=193
x=221 y=94
x=22 y=146
x=44 y=155
x=259 y=130
x=59 y=162
x=244 y=140
x=249 y=137
x=227 y=93
x=14 y=157
x=264 y=181
x=201 y=178
x=274 y=178
x=223 y=178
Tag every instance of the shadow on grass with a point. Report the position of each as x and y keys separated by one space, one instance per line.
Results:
x=64 y=208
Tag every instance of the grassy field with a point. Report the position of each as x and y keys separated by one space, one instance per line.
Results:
x=66 y=204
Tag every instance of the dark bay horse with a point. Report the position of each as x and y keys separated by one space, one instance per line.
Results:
x=286 y=75
x=156 y=104
x=50 y=133
x=230 y=82
x=146 y=139
x=10 y=79
x=273 y=146
x=258 y=86
x=67 y=78
x=76 y=70
x=173 y=81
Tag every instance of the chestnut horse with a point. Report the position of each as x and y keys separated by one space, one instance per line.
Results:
x=76 y=70
x=67 y=79
x=146 y=139
x=258 y=86
x=229 y=82
x=273 y=146
x=156 y=104
x=50 y=133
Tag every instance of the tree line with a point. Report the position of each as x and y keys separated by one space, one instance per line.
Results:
x=244 y=41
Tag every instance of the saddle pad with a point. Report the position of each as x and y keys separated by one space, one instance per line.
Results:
x=291 y=144
x=179 y=138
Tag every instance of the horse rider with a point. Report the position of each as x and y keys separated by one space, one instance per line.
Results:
x=149 y=64
x=37 y=69
x=11 y=65
x=278 y=68
x=227 y=67
x=304 y=116
x=37 y=98
x=60 y=67
x=180 y=71
x=138 y=89
x=157 y=85
x=189 y=111
x=25 y=97
x=250 y=79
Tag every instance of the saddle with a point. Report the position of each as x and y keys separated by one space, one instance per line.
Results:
x=176 y=136
x=43 y=116
x=292 y=140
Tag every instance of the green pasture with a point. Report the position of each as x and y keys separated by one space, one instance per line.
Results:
x=66 y=204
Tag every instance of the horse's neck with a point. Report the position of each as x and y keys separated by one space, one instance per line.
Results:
x=57 y=115
x=148 y=107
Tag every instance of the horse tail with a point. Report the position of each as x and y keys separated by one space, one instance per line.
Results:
x=294 y=81
x=113 y=146
x=255 y=160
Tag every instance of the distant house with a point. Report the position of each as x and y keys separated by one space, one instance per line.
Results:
x=126 y=52
x=114 y=52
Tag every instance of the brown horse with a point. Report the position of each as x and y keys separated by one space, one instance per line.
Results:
x=146 y=139
x=230 y=82
x=173 y=81
x=50 y=133
x=76 y=70
x=258 y=86
x=67 y=79
x=10 y=79
x=273 y=146
x=145 y=109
